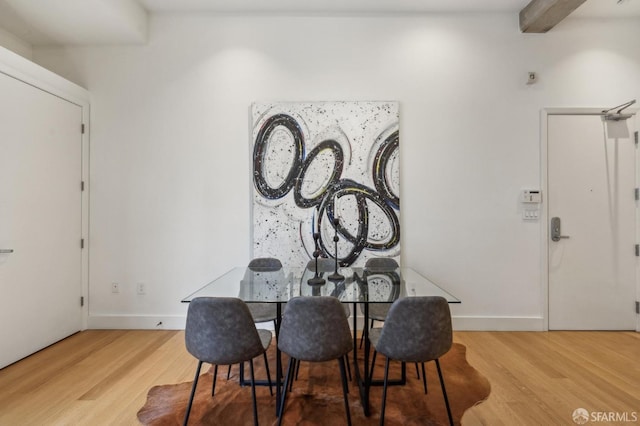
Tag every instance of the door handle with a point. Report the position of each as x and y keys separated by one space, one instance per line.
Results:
x=556 y=233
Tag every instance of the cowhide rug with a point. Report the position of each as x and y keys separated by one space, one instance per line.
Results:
x=317 y=396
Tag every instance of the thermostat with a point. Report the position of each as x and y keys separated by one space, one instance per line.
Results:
x=531 y=196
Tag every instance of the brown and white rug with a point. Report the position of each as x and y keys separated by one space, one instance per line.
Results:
x=317 y=396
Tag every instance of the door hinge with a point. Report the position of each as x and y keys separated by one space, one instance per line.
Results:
x=82 y=188
x=635 y=136
x=637 y=307
x=81 y=300
x=82 y=128
x=637 y=192
x=82 y=243
x=637 y=249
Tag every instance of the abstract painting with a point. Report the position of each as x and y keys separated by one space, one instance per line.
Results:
x=330 y=169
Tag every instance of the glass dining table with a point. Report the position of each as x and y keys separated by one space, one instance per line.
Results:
x=356 y=286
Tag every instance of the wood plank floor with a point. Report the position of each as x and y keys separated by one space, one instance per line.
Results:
x=101 y=377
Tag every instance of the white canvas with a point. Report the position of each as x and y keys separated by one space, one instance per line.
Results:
x=315 y=162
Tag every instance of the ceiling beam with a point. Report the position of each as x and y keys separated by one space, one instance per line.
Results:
x=539 y=16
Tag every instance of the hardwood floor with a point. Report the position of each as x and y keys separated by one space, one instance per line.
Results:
x=540 y=378
x=101 y=377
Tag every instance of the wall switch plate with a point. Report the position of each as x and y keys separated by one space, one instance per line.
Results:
x=141 y=288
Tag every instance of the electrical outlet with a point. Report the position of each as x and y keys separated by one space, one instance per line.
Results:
x=141 y=288
x=115 y=288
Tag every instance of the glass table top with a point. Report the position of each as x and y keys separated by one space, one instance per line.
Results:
x=379 y=285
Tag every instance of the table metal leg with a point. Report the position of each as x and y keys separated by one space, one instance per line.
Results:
x=362 y=376
x=278 y=359
x=367 y=347
x=355 y=340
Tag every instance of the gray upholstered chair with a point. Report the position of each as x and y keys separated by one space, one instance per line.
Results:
x=327 y=266
x=260 y=312
x=378 y=311
x=220 y=331
x=264 y=312
x=324 y=264
x=417 y=329
x=314 y=329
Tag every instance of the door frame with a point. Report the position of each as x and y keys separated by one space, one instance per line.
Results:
x=21 y=69
x=544 y=216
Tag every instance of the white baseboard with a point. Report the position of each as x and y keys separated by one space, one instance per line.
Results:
x=177 y=322
x=137 y=322
x=498 y=323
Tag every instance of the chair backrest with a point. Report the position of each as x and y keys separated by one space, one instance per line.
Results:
x=315 y=328
x=324 y=264
x=385 y=263
x=416 y=329
x=220 y=330
x=385 y=268
x=265 y=264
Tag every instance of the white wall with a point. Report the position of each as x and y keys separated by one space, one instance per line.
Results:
x=15 y=44
x=170 y=171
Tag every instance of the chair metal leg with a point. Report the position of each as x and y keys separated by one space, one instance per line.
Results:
x=294 y=373
x=253 y=394
x=424 y=377
x=417 y=371
x=266 y=366
x=362 y=335
x=346 y=362
x=193 y=392
x=229 y=372
x=444 y=392
x=215 y=376
x=384 y=391
x=297 y=368
x=284 y=389
x=373 y=363
x=345 y=389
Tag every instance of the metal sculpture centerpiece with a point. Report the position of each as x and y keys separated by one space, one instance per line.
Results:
x=316 y=279
x=336 y=276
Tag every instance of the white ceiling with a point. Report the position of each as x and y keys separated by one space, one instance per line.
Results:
x=86 y=22
x=334 y=6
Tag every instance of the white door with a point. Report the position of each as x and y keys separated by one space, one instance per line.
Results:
x=40 y=219
x=591 y=180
